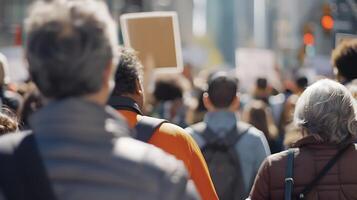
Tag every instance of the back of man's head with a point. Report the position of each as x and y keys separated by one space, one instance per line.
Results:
x=168 y=90
x=128 y=73
x=344 y=58
x=69 y=46
x=302 y=82
x=262 y=83
x=222 y=89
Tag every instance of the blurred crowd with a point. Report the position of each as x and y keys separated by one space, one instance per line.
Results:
x=79 y=127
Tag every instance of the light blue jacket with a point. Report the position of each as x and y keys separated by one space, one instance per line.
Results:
x=252 y=148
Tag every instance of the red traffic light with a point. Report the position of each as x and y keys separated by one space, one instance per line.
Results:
x=327 y=22
x=309 y=39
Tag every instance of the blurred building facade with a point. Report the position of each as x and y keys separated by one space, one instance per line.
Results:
x=278 y=25
x=12 y=13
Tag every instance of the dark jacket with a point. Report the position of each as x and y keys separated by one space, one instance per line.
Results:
x=339 y=183
x=88 y=155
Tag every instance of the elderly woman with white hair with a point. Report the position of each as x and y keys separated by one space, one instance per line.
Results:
x=323 y=164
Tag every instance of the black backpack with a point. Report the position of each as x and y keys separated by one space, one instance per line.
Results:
x=223 y=161
x=23 y=175
x=146 y=127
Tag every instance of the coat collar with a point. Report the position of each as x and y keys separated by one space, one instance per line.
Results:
x=313 y=142
x=124 y=103
x=220 y=121
x=78 y=118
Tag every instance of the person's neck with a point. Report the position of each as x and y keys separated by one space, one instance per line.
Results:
x=228 y=109
x=220 y=120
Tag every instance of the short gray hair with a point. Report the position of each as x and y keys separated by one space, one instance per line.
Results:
x=69 y=45
x=327 y=110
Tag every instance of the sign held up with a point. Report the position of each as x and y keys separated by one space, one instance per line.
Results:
x=156 y=38
x=252 y=63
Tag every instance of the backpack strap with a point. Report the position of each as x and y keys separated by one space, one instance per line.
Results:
x=209 y=136
x=289 y=180
x=231 y=138
x=322 y=173
x=227 y=142
x=24 y=170
x=236 y=133
x=146 y=127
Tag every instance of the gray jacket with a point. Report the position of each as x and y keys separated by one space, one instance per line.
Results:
x=88 y=155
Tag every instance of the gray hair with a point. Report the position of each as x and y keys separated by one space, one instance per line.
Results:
x=69 y=45
x=327 y=110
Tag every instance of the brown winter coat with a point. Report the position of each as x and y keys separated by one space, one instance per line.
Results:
x=339 y=183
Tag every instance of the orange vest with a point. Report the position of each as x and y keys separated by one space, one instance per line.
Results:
x=174 y=140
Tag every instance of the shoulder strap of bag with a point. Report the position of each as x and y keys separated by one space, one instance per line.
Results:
x=289 y=180
x=209 y=136
x=323 y=172
x=146 y=127
x=230 y=139
x=236 y=133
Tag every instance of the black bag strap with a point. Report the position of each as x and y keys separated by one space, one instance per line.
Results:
x=230 y=139
x=227 y=142
x=236 y=134
x=146 y=127
x=26 y=171
x=322 y=173
x=209 y=136
x=289 y=180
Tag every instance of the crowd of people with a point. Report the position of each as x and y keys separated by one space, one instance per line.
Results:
x=80 y=127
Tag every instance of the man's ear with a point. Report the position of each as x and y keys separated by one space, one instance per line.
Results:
x=207 y=102
x=235 y=104
x=138 y=88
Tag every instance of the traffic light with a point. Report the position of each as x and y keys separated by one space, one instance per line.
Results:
x=308 y=36
x=308 y=40
x=327 y=21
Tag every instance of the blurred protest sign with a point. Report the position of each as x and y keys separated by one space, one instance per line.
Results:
x=17 y=70
x=343 y=37
x=254 y=63
x=156 y=38
x=321 y=66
